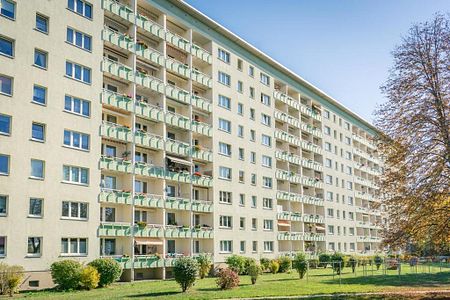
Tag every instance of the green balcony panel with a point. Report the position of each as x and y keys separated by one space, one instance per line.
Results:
x=118 y=39
x=117 y=100
x=177 y=120
x=202 y=128
x=148 y=200
x=118 y=197
x=114 y=229
x=202 y=180
x=177 y=147
x=117 y=69
x=178 y=67
x=149 y=140
x=149 y=82
x=201 y=103
x=149 y=170
x=149 y=111
x=150 y=54
x=178 y=94
x=149 y=231
x=201 y=53
x=150 y=26
x=201 y=78
x=202 y=206
x=115 y=164
x=178 y=232
x=178 y=41
x=144 y=262
x=202 y=233
x=200 y=153
x=183 y=177
x=117 y=132
x=178 y=203
x=119 y=9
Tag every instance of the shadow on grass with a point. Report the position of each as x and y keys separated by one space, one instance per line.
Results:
x=216 y=289
x=158 y=294
x=425 y=280
x=281 y=279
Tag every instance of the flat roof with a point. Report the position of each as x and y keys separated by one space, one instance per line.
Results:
x=208 y=27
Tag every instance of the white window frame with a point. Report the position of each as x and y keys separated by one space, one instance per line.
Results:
x=78 y=243
x=69 y=211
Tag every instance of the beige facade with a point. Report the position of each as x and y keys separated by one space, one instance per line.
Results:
x=161 y=135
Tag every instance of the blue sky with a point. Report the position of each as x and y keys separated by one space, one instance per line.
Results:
x=341 y=46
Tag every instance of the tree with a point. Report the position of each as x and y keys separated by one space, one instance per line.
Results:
x=415 y=139
x=253 y=269
x=185 y=272
x=204 y=264
x=300 y=264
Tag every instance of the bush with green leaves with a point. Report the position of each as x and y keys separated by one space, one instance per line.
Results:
x=285 y=263
x=89 y=278
x=265 y=263
x=300 y=264
x=352 y=262
x=109 y=270
x=185 y=272
x=378 y=260
x=204 y=265
x=66 y=274
x=338 y=263
x=10 y=278
x=253 y=270
x=274 y=266
x=324 y=259
x=236 y=263
x=227 y=279
x=313 y=263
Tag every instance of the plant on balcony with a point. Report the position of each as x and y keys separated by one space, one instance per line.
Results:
x=185 y=272
x=198 y=174
x=172 y=223
x=227 y=279
x=185 y=227
x=197 y=148
x=197 y=227
x=204 y=265
x=300 y=264
x=125 y=154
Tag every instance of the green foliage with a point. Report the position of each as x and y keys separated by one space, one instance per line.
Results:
x=10 y=278
x=109 y=270
x=352 y=262
x=324 y=259
x=378 y=261
x=185 y=272
x=253 y=270
x=236 y=263
x=274 y=266
x=313 y=263
x=265 y=263
x=285 y=264
x=204 y=265
x=337 y=260
x=89 y=278
x=66 y=274
x=227 y=279
x=300 y=264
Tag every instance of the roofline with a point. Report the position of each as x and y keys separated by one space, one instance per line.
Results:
x=255 y=51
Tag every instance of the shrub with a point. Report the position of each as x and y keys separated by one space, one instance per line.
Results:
x=285 y=264
x=324 y=259
x=265 y=263
x=337 y=259
x=204 y=265
x=413 y=261
x=274 y=266
x=253 y=270
x=352 y=262
x=300 y=264
x=185 y=272
x=313 y=263
x=236 y=263
x=10 y=278
x=378 y=261
x=392 y=264
x=247 y=262
x=109 y=270
x=66 y=274
x=89 y=278
x=227 y=279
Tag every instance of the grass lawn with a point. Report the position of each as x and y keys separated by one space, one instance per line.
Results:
x=319 y=281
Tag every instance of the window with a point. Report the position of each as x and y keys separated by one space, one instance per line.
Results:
x=77 y=106
x=252 y=92
x=74 y=210
x=239 y=64
x=347 y=126
x=80 y=7
x=74 y=174
x=242 y=247
x=267 y=203
x=224 y=149
x=255 y=246
x=253 y=179
x=268 y=246
x=40 y=59
x=224 y=78
x=264 y=79
x=223 y=55
x=254 y=223
x=225 y=125
x=36 y=207
x=267 y=182
x=240 y=86
x=327 y=130
x=41 y=23
x=38 y=132
x=37 y=169
x=5 y=124
x=252 y=135
x=330 y=229
x=226 y=246
x=266 y=140
x=265 y=120
x=241 y=176
x=2 y=246
x=349 y=185
x=4 y=164
x=74 y=246
x=241 y=223
x=331 y=247
x=34 y=246
x=352 y=247
x=6 y=47
x=225 y=173
x=350 y=200
x=252 y=113
x=251 y=71
x=253 y=157
x=327 y=146
x=225 y=197
x=351 y=231
x=3 y=205
x=8 y=9
x=241 y=154
x=348 y=141
x=265 y=99
x=39 y=94
x=78 y=72
x=242 y=199
x=240 y=131
x=6 y=85
x=108 y=214
x=328 y=163
x=329 y=196
x=76 y=140
x=240 y=109
x=330 y=212
x=326 y=114
x=268 y=225
x=224 y=102
x=328 y=179
x=225 y=222
x=79 y=39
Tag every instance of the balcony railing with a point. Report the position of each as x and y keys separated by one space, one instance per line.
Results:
x=297 y=105
x=297 y=178
x=289 y=215
x=290 y=138
x=295 y=159
x=283 y=195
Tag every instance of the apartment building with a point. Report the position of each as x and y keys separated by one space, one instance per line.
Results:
x=144 y=131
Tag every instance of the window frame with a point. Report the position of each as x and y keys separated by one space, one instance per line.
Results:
x=75 y=10
x=47 y=23
x=36 y=139
x=11 y=79
x=9 y=125
x=37 y=86
x=30 y=214
x=71 y=146
x=83 y=39
x=69 y=210
x=83 y=69
x=70 y=167
x=13 y=3
x=78 y=243
x=31 y=169
x=72 y=106
x=7 y=39
x=8 y=164
x=45 y=55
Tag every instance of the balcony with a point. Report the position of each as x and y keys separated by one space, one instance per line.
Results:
x=178 y=41
x=364 y=196
x=116 y=132
x=311 y=236
x=311 y=129
x=142 y=262
x=365 y=182
x=289 y=138
x=150 y=26
x=366 y=156
x=297 y=105
x=295 y=159
x=118 y=9
x=282 y=195
x=290 y=236
x=117 y=100
x=201 y=78
x=289 y=215
x=124 y=197
x=297 y=178
x=178 y=67
x=364 y=141
x=369 y=239
x=282 y=116
x=367 y=169
x=188 y=232
x=313 y=219
x=201 y=53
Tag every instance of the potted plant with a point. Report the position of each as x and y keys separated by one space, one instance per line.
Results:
x=141 y=225
x=197 y=148
x=198 y=174
x=125 y=154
